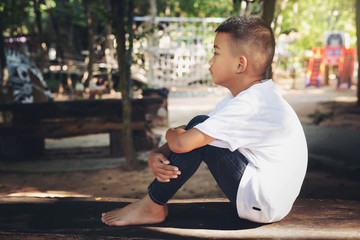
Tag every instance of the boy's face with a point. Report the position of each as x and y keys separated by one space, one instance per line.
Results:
x=223 y=62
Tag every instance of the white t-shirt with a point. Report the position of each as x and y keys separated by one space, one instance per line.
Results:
x=260 y=124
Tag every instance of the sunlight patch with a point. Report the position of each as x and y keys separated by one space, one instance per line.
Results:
x=345 y=99
x=47 y=194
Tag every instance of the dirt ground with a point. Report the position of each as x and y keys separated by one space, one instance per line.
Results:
x=110 y=183
x=116 y=182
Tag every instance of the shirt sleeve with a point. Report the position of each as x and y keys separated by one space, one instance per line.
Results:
x=233 y=124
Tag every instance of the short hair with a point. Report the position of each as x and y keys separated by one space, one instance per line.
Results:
x=253 y=36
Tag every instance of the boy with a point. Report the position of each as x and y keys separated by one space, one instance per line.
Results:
x=252 y=142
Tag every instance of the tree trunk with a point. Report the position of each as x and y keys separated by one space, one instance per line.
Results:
x=268 y=17
x=109 y=56
x=122 y=23
x=3 y=66
x=42 y=54
x=237 y=7
x=268 y=11
x=90 y=40
x=59 y=46
x=6 y=91
x=151 y=37
x=358 y=46
x=60 y=55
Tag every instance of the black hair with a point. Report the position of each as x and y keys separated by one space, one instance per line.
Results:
x=255 y=35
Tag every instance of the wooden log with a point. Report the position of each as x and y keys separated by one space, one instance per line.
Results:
x=60 y=130
x=84 y=108
x=34 y=122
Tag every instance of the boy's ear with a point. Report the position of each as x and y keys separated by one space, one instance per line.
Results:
x=242 y=64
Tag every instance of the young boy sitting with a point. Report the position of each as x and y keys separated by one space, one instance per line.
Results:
x=252 y=142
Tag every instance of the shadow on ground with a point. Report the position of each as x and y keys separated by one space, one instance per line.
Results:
x=74 y=218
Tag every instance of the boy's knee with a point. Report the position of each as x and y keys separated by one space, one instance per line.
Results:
x=196 y=120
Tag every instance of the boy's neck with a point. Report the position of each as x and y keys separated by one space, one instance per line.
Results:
x=243 y=84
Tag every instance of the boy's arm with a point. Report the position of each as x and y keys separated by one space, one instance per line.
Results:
x=164 y=149
x=181 y=141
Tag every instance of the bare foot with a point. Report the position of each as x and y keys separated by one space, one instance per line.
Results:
x=144 y=211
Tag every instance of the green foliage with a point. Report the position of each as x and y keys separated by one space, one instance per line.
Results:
x=70 y=11
x=305 y=20
x=19 y=16
x=186 y=8
x=204 y=8
x=15 y=15
x=309 y=19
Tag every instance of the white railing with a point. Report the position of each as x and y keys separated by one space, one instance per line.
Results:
x=175 y=52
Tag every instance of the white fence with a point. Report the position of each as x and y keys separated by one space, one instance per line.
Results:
x=174 y=51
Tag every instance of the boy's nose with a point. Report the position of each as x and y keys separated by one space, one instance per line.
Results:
x=211 y=61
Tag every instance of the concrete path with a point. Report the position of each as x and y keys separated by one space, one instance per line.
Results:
x=70 y=218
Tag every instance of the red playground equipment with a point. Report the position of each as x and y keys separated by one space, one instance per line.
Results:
x=336 y=55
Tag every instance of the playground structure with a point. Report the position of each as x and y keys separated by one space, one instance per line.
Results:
x=337 y=57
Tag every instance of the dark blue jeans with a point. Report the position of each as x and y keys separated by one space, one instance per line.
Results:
x=226 y=167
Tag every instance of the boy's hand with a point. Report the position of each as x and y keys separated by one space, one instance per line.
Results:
x=161 y=168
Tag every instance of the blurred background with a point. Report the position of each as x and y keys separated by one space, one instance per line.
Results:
x=70 y=45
